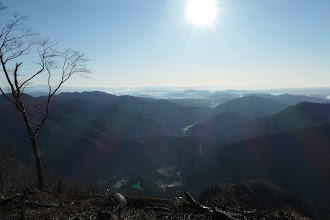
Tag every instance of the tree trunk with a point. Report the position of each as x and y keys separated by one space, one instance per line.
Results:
x=38 y=162
x=33 y=139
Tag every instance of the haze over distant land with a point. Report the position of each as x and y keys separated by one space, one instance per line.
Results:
x=195 y=92
x=164 y=43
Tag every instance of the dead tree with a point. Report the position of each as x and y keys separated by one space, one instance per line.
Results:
x=19 y=45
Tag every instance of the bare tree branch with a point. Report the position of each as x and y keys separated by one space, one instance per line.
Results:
x=9 y=99
x=15 y=39
x=73 y=63
x=15 y=77
x=46 y=53
x=4 y=68
x=2 y=6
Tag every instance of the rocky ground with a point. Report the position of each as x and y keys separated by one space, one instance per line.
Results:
x=49 y=205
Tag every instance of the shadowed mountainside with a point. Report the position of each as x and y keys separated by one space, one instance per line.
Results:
x=231 y=127
x=251 y=107
x=292 y=99
x=301 y=115
x=212 y=127
x=297 y=160
x=86 y=136
x=175 y=116
x=75 y=125
x=170 y=115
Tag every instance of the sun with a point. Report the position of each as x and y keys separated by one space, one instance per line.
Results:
x=202 y=12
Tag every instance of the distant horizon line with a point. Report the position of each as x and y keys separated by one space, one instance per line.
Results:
x=214 y=87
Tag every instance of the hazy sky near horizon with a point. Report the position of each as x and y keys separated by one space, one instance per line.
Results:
x=250 y=43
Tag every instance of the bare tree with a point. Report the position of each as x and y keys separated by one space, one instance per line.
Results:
x=19 y=45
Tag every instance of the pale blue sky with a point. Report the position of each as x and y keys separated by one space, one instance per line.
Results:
x=254 y=43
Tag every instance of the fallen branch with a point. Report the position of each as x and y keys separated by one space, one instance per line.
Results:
x=217 y=214
x=40 y=205
x=157 y=208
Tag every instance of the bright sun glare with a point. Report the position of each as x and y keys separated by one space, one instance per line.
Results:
x=202 y=12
